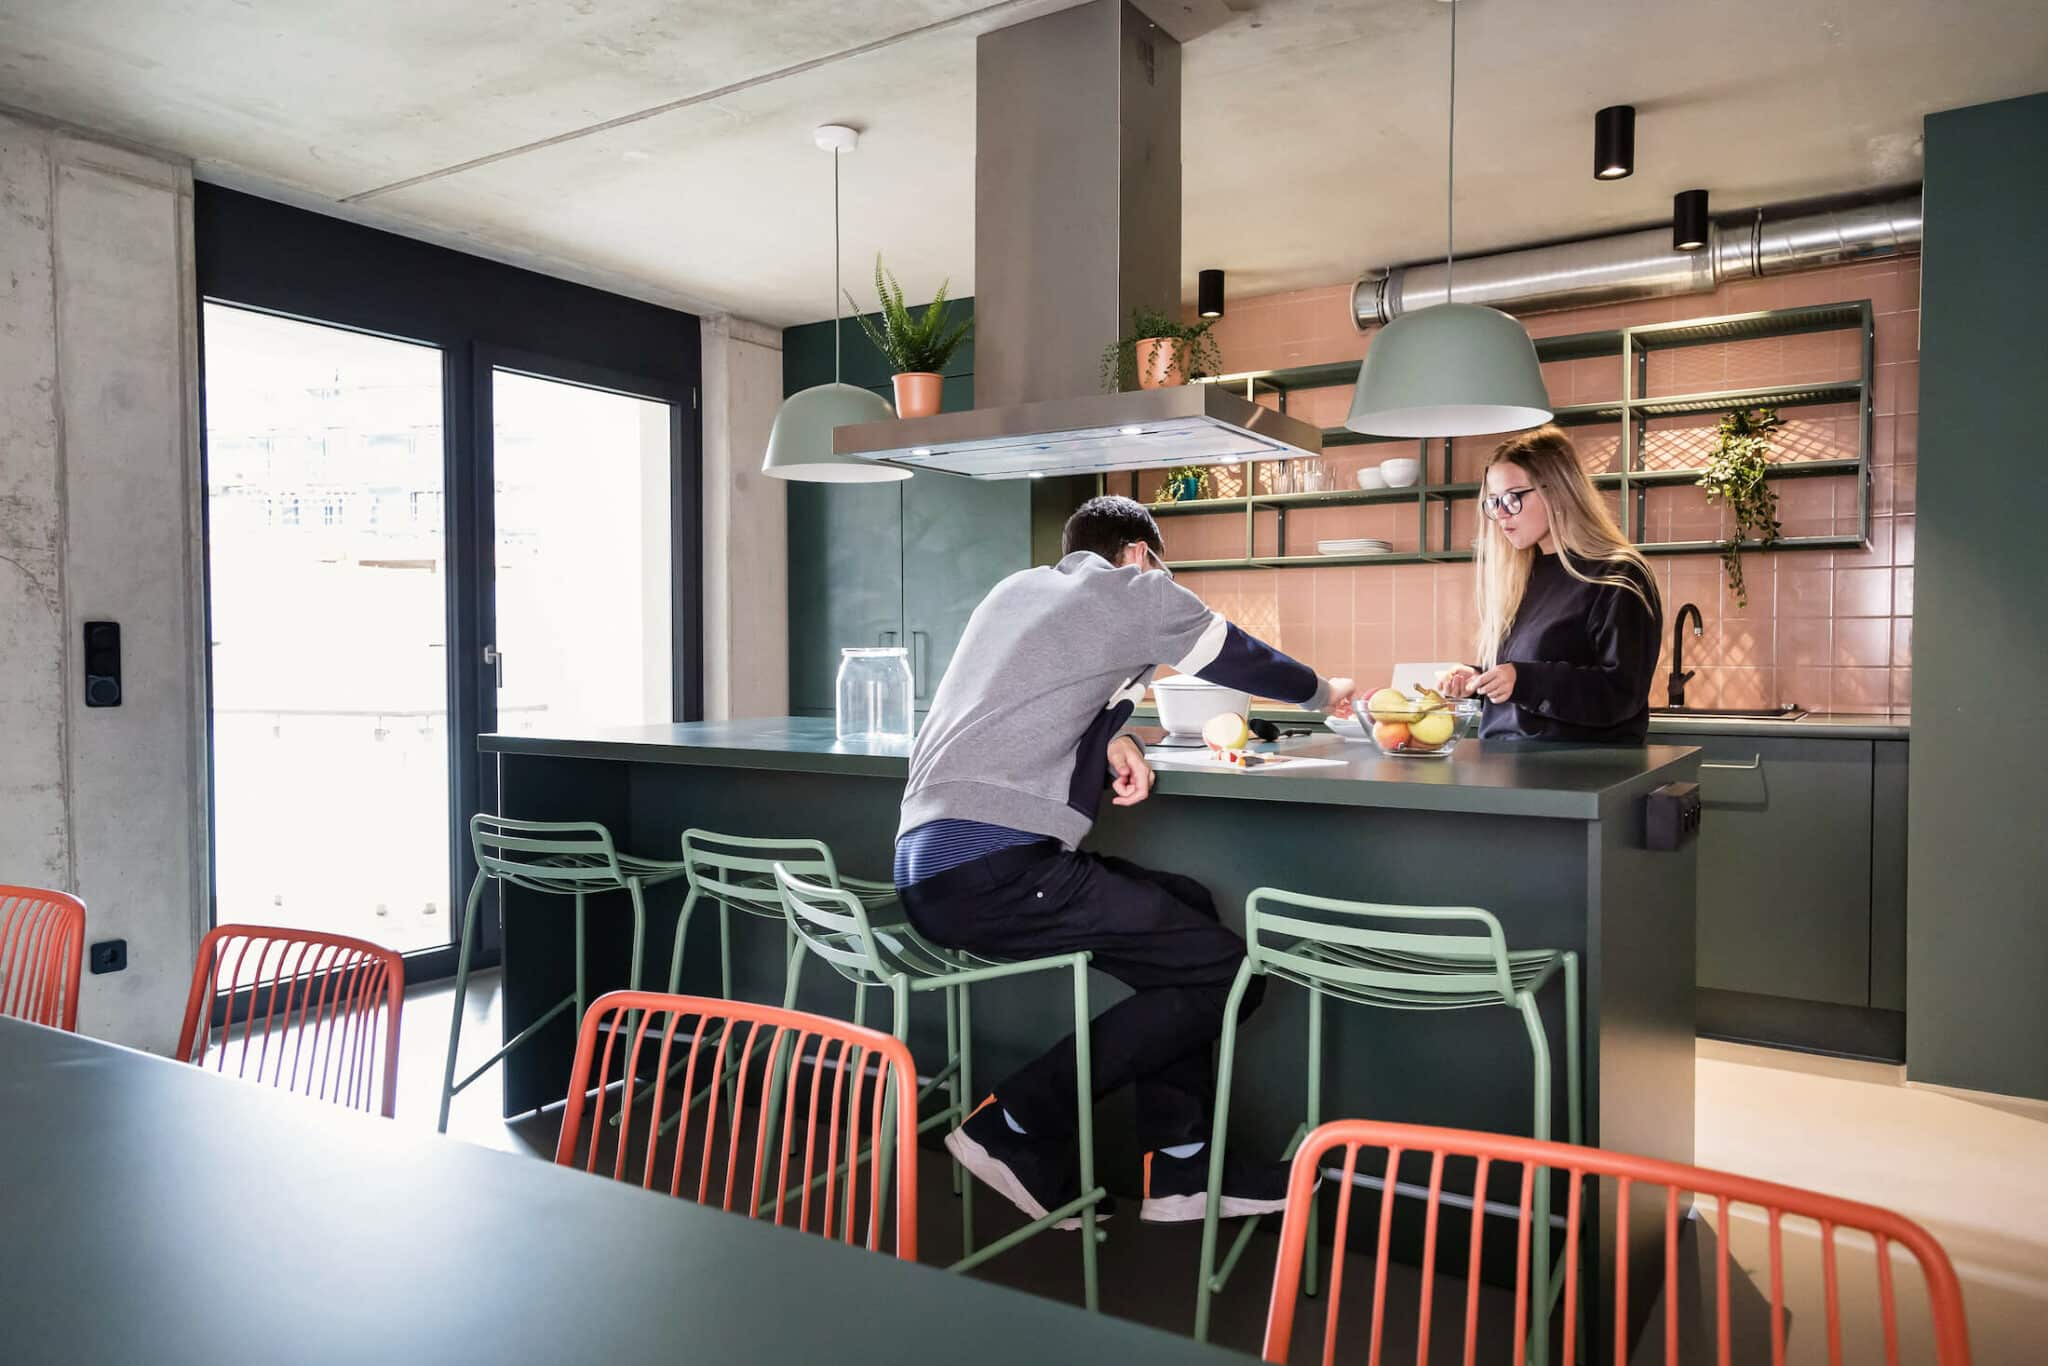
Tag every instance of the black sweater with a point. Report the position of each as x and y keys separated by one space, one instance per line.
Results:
x=1584 y=655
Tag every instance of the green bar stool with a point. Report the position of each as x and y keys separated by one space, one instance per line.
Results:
x=1367 y=954
x=560 y=858
x=737 y=873
x=833 y=925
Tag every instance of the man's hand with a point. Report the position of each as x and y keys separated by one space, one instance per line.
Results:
x=1131 y=776
x=1496 y=684
x=1343 y=697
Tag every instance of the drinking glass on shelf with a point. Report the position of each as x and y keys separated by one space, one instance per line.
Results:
x=1280 y=477
x=1315 y=476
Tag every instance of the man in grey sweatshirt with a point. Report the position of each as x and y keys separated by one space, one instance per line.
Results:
x=1023 y=737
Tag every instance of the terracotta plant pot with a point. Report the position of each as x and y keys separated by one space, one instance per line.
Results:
x=917 y=393
x=1162 y=362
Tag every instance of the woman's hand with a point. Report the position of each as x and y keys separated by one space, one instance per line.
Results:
x=1457 y=682
x=1496 y=684
x=1131 y=776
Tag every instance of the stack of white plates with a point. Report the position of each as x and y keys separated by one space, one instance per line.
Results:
x=1360 y=545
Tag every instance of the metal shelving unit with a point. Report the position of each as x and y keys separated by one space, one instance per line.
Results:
x=1631 y=348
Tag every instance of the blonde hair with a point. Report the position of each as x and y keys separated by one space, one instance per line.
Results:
x=1583 y=529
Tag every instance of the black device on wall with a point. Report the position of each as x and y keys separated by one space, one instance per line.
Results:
x=103 y=664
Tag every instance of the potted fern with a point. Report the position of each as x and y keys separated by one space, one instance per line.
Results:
x=1158 y=352
x=917 y=348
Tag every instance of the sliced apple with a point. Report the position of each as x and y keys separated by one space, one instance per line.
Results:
x=1226 y=731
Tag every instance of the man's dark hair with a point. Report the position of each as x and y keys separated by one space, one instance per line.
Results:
x=1106 y=525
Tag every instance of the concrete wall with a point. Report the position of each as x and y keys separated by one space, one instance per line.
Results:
x=1977 y=932
x=746 y=539
x=99 y=518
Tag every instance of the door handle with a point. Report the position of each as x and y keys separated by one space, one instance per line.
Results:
x=495 y=657
x=1756 y=762
x=920 y=646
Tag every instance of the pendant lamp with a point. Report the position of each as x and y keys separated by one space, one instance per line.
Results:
x=800 y=442
x=1451 y=369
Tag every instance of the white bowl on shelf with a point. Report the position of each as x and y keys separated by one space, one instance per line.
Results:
x=1186 y=703
x=1400 y=471
x=1369 y=478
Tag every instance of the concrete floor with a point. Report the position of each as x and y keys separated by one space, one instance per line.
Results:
x=1972 y=1168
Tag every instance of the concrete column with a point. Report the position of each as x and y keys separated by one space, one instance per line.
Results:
x=746 y=535
x=99 y=518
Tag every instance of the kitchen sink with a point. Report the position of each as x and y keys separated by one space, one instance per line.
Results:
x=1734 y=713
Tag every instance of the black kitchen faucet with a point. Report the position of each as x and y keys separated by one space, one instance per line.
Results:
x=1680 y=675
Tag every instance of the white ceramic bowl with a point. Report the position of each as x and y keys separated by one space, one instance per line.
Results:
x=1400 y=471
x=1369 y=478
x=1186 y=703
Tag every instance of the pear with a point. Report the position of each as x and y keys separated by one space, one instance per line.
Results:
x=1434 y=728
x=1391 y=704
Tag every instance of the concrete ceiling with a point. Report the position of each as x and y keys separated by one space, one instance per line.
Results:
x=1314 y=128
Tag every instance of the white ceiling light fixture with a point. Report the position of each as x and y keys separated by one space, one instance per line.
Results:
x=1451 y=369
x=800 y=442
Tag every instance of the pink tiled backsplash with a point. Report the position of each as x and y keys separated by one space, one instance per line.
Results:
x=1829 y=630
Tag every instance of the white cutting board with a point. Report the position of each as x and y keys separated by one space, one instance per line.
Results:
x=1409 y=677
x=1200 y=761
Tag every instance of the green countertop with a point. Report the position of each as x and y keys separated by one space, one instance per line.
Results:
x=1531 y=779
x=1816 y=725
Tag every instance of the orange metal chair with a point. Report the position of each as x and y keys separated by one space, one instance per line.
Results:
x=42 y=944
x=819 y=1109
x=1346 y=1138
x=322 y=1014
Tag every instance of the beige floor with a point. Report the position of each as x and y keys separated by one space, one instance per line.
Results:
x=1973 y=1169
x=1970 y=1167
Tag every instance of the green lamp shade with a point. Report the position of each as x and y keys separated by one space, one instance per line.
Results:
x=1451 y=370
x=800 y=442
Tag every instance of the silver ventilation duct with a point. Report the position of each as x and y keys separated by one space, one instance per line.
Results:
x=1642 y=265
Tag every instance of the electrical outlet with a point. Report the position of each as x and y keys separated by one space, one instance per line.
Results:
x=109 y=955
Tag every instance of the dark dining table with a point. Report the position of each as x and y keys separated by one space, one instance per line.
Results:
x=153 y=1212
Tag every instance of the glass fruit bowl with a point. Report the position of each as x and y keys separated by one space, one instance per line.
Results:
x=1420 y=725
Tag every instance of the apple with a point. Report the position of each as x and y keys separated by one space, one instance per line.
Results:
x=1226 y=731
x=1390 y=734
x=1434 y=729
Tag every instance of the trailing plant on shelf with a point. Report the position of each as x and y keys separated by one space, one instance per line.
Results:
x=1736 y=472
x=1184 y=483
x=1159 y=351
x=917 y=348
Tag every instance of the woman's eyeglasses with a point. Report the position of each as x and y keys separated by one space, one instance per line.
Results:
x=1506 y=503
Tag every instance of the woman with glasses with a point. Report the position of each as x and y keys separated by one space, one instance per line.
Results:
x=1569 y=613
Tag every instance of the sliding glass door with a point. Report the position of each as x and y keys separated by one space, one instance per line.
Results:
x=583 y=509
x=328 y=583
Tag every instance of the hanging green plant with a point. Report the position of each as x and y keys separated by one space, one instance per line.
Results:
x=1191 y=352
x=1736 y=473
x=919 y=345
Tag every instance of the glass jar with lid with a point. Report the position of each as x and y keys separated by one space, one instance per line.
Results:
x=875 y=690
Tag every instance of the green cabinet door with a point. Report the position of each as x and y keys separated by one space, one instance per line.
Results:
x=960 y=538
x=1888 y=790
x=1784 y=893
x=845 y=581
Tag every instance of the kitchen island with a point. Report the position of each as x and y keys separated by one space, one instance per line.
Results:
x=1547 y=837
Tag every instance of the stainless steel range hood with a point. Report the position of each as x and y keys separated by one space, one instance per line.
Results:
x=1077 y=193
x=1188 y=424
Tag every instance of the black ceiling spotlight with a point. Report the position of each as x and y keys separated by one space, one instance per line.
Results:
x=1689 y=220
x=1614 y=142
x=1209 y=293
